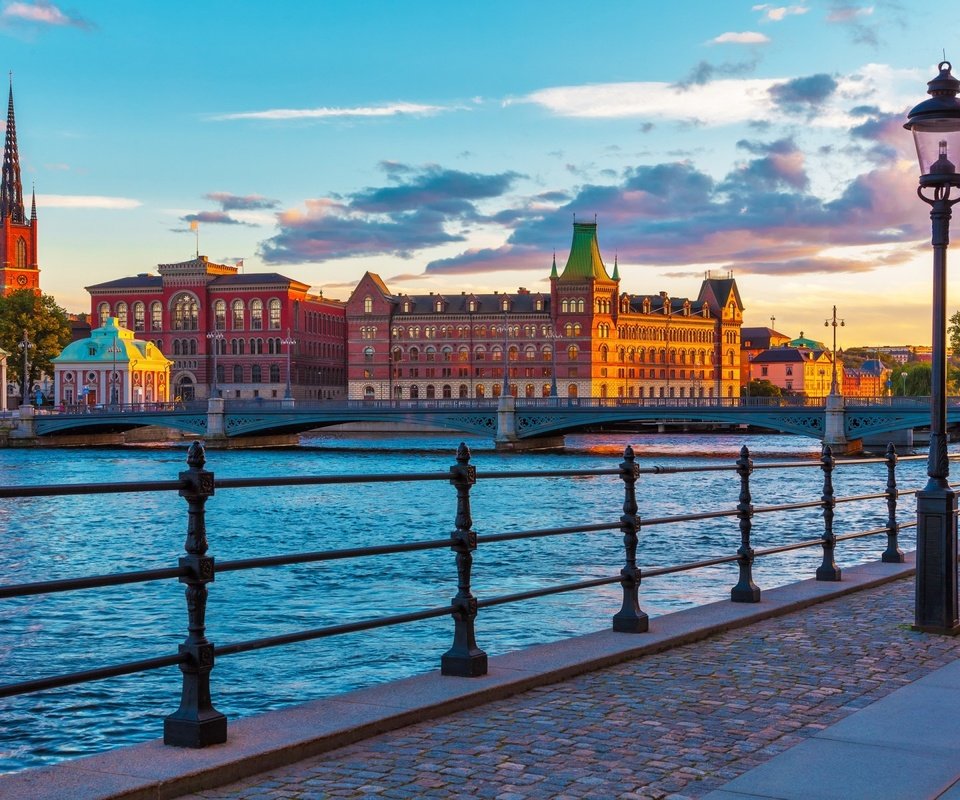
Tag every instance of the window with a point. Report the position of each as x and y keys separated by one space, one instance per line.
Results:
x=186 y=312
x=573 y=352
x=21 y=252
x=256 y=375
x=438 y=306
x=139 y=316
x=367 y=305
x=220 y=315
x=236 y=308
x=122 y=314
x=103 y=312
x=274 y=373
x=472 y=306
x=237 y=373
x=274 y=312
x=368 y=354
x=156 y=316
x=256 y=314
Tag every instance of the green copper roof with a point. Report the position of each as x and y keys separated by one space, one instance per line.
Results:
x=803 y=341
x=553 y=269
x=110 y=344
x=584 y=261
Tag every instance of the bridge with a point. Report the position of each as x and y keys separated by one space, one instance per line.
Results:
x=513 y=423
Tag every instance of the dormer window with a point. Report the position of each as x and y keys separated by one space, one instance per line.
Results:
x=367 y=305
x=438 y=307
x=538 y=304
x=472 y=306
x=505 y=305
x=406 y=306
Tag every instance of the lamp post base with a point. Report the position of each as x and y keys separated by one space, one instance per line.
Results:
x=936 y=581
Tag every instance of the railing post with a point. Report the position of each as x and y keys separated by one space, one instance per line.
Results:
x=630 y=618
x=828 y=570
x=196 y=723
x=746 y=591
x=893 y=554
x=464 y=658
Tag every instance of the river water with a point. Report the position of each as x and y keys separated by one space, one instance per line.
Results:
x=48 y=538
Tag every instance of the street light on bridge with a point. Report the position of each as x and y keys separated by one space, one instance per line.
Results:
x=215 y=337
x=834 y=388
x=289 y=342
x=935 y=124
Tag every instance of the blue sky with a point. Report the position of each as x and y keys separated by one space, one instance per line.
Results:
x=447 y=146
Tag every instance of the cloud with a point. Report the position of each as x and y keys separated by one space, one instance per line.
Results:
x=324 y=112
x=41 y=13
x=419 y=208
x=778 y=13
x=85 y=201
x=744 y=37
x=233 y=202
x=704 y=72
x=804 y=94
x=212 y=218
x=854 y=18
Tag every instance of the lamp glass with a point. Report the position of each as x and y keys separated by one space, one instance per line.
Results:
x=938 y=145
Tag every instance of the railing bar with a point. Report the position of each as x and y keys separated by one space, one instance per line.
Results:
x=856 y=497
x=320 y=480
x=58 y=681
x=330 y=630
x=655 y=571
x=50 y=490
x=788 y=507
x=648 y=521
x=552 y=473
x=533 y=534
x=783 y=548
x=860 y=534
x=329 y=555
x=534 y=593
x=94 y=581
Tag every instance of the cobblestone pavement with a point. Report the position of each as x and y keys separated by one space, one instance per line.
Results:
x=674 y=725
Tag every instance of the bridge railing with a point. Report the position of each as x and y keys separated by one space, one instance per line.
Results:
x=197 y=723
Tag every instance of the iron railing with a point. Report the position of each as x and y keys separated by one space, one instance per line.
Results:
x=196 y=723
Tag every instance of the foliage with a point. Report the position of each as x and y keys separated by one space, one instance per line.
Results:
x=953 y=335
x=47 y=327
x=763 y=388
x=916 y=382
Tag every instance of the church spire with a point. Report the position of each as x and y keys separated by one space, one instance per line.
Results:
x=33 y=203
x=11 y=191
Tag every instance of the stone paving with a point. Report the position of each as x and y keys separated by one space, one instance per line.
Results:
x=671 y=726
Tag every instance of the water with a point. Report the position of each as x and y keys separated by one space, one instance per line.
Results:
x=47 y=538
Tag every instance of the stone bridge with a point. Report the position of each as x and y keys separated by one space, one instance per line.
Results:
x=512 y=423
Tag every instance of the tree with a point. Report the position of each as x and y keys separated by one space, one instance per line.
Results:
x=763 y=388
x=953 y=335
x=48 y=331
x=916 y=382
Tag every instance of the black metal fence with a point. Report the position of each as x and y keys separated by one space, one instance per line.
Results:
x=196 y=723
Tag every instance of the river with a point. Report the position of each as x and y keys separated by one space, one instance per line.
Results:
x=47 y=538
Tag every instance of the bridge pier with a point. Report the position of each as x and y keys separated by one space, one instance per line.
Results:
x=26 y=424
x=215 y=426
x=834 y=433
x=507 y=441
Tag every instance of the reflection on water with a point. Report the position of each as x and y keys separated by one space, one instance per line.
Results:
x=49 y=538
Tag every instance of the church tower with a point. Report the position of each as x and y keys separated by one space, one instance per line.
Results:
x=18 y=234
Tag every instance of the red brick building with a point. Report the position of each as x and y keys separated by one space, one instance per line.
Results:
x=18 y=234
x=260 y=322
x=586 y=337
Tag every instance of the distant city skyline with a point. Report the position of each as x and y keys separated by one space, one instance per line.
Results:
x=447 y=147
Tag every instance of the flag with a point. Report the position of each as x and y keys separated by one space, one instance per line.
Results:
x=194 y=225
x=240 y=263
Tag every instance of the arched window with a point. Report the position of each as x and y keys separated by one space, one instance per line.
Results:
x=431 y=391
x=414 y=392
x=139 y=316
x=580 y=306
x=256 y=376
x=237 y=373
x=274 y=373
x=122 y=314
x=156 y=316
x=256 y=314
x=480 y=391
x=274 y=312
x=220 y=315
x=367 y=305
x=464 y=391
x=103 y=312
x=186 y=312
x=368 y=354
x=236 y=308
x=176 y=347
x=573 y=352
x=21 y=252
x=447 y=391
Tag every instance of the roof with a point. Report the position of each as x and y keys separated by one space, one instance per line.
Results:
x=110 y=344
x=760 y=338
x=520 y=302
x=788 y=355
x=584 y=261
x=717 y=291
x=134 y=282
x=802 y=341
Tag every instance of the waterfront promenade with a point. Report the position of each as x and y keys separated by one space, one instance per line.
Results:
x=704 y=706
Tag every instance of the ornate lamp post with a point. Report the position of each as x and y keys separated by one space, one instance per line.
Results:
x=506 y=358
x=288 y=394
x=834 y=388
x=935 y=124
x=903 y=383
x=215 y=337
x=554 y=339
x=25 y=345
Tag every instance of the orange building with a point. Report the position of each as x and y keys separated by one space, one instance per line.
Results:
x=18 y=240
x=586 y=338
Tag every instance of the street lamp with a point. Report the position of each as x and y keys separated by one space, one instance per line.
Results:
x=506 y=358
x=935 y=124
x=834 y=389
x=288 y=395
x=215 y=337
x=903 y=383
x=555 y=337
x=25 y=345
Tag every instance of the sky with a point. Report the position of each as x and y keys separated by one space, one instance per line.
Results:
x=448 y=146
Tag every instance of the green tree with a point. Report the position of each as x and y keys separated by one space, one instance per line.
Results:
x=953 y=335
x=916 y=382
x=48 y=331
x=763 y=388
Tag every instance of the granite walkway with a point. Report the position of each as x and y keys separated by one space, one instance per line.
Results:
x=673 y=725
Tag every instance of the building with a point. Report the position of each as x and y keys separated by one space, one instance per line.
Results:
x=110 y=366
x=270 y=333
x=4 y=388
x=585 y=338
x=797 y=370
x=18 y=234
x=754 y=341
x=870 y=379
